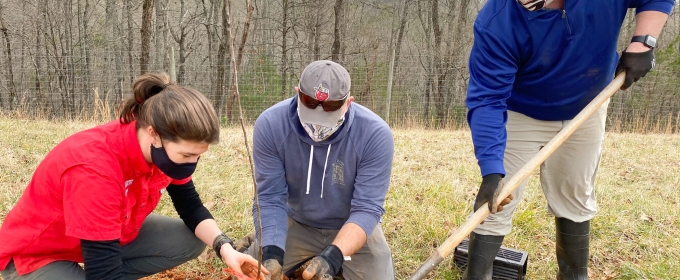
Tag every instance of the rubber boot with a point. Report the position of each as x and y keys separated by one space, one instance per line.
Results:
x=482 y=250
x=572 y=249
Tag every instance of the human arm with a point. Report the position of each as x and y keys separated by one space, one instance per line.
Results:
x=92 y=201
x=272 y=193
x=190 y=208
x=102 y=259
x=638 y=59
x=493 y=65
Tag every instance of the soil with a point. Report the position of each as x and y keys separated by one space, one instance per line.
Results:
x=176 y=274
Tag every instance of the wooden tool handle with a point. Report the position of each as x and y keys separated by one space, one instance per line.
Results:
x=471 y=223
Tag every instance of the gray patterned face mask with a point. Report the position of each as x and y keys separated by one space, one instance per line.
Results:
x=319 y=132
x=534 y=5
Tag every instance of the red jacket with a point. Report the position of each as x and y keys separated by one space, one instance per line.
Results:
x=94 y=185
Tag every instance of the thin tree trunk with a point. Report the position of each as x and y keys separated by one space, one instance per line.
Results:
x=400 y=34
x=284 y=49
x=130 y=39
x=237 y=63
x=223 y=60
x=317 y=32
x=68 y=54
x=84 y=42
x=370 y=71
x=159 y=59
x=42 y=100
x=147 y=13
x=339 y=16
x=10 y=70
x=210 y=23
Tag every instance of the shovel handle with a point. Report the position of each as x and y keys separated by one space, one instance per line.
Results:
x=471 y=223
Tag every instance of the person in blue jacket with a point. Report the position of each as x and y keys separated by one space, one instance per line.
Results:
x=322 y=166
x=534 y=65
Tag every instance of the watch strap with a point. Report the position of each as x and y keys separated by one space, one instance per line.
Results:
x=219 y=241
x=645 y=39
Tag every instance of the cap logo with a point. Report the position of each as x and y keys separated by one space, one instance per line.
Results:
x=321 y=93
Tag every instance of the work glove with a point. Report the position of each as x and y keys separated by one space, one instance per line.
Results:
x=636 y=65
x=325 y=265
x=489 y=191
x=272 y=260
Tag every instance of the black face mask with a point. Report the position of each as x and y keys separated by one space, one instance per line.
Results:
x=177 y=171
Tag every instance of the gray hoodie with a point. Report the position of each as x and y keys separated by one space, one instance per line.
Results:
x=324 y=185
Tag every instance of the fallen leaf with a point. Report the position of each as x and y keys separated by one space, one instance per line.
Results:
x=644 y=217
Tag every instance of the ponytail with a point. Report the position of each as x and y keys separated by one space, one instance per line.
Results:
x=174 y=112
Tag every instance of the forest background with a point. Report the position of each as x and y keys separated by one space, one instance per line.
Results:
x=408 y=59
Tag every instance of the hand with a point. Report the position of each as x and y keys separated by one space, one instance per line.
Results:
x=242 y=263
x=489 y=191
x=636 y=61
x=274 y=268
x=325 y=265
x=272 y=259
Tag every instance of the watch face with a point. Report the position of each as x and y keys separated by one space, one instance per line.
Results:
x=650 y=41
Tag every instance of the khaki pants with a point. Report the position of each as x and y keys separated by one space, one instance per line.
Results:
x=567 y=176
x=162 y=243
x=372 y=261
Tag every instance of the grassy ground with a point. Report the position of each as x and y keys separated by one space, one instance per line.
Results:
x=635 y=235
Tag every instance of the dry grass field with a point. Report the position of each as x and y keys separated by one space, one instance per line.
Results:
x=636 y=234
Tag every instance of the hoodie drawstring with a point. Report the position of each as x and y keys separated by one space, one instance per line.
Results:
x=323 y=176
x=309 y=168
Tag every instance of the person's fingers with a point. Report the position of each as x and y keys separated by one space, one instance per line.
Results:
x=311 y=270
x=252 y=261
x=492 y=208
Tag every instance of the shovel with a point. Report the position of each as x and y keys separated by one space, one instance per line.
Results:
x=471 y=223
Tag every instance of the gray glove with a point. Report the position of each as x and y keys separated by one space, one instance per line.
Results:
x=274 y=268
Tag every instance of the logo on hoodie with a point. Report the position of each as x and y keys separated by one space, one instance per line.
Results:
x=339 y=173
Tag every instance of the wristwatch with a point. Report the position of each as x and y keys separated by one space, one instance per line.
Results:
x=647 y=40
x=219 y=241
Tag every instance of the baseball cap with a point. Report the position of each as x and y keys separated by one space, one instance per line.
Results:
x=323 y=80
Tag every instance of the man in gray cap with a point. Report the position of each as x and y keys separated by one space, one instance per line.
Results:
x=322 y=166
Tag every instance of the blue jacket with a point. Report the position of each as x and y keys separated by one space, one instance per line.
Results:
x=547 y=64
x=348 y=180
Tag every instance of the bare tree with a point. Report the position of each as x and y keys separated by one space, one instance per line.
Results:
x=130 y=37
x=147 y=12
x=284 y=48
x=10 y=71
x=181 y=37
x=161 y=33
x=339 y=15
x=223 y=58
x=211 y=16
x=233 y=94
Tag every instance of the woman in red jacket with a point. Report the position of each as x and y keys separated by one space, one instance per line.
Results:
x=90 y=200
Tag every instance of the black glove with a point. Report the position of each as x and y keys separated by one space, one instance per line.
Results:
x=272 y=260
x=325 y=265
x=488 y=191
x=636 y=66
